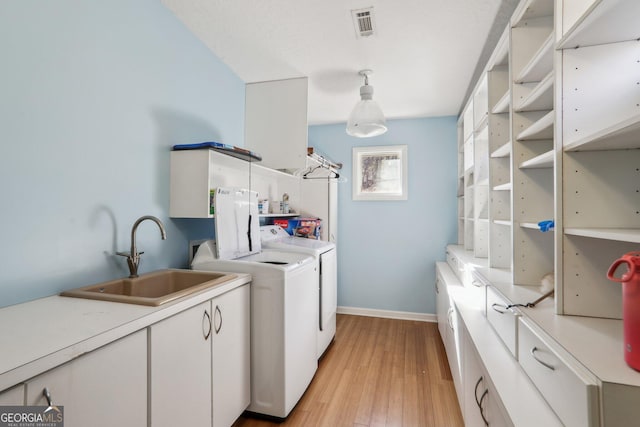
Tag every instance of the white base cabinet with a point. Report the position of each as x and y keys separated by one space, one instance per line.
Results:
x=493 y=389
x=482 y=405
x=106 y=387
x=199 y=363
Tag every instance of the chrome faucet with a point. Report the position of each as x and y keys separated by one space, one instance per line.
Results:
x=133 y=257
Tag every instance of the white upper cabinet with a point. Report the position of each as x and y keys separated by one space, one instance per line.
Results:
x=276 y=122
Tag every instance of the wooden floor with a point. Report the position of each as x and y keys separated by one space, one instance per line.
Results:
x=378 y=372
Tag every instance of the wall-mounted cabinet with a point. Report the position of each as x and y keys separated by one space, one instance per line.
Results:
x=276 y=122
x=195 y=173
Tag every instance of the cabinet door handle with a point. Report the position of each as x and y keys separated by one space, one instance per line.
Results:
x=495 y=306
x=217 y=315
x=543 y=363
x=485 y=394
x=47 y=395
x=476 y=283
x=437 y=287
x=206 y=325
x=475 y=391
x=449 y=318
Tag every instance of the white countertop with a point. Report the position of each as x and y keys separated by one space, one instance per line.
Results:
x=42 y=334
x=595 y=342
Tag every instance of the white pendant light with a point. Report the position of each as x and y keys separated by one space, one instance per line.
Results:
x=366 y=119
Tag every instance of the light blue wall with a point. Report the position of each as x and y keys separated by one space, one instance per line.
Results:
x=92 y=96
x=387 y=250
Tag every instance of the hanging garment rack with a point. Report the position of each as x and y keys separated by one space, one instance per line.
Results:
x=323 y=163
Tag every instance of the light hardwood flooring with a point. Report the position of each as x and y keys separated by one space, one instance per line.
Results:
x=378 y=372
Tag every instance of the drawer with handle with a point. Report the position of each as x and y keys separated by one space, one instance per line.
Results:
x=503 y=320
x=570 y=390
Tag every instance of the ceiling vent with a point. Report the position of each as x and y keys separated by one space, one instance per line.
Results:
x=363 y=22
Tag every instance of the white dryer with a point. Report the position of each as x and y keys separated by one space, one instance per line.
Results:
x=284 y=303
x=275 y=237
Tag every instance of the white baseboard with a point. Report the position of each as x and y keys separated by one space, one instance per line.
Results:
x=387 y=314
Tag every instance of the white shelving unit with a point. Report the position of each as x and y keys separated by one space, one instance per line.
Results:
x=600 y=156
x=532 y=155
x=564 y=144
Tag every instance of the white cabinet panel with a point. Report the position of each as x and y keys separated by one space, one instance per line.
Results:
x=106 y=387
x=180 y=371
x=276 y=122
x=568 y=389
x=503 y=320
x=200 y=363
x=231 y=355
x=13 y=396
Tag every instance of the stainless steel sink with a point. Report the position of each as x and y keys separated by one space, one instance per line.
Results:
x=154 y=289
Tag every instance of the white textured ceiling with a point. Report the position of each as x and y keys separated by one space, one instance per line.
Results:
x=423 y=55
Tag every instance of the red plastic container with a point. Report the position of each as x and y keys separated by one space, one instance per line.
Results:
x=630 y=305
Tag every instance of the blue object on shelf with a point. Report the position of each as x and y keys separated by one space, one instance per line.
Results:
x=546 y=225
x=230 y=150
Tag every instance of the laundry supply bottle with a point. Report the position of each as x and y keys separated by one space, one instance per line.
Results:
x=630 y=305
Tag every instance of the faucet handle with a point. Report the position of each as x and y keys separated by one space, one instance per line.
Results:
x=128 y=254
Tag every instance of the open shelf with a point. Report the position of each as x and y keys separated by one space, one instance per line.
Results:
x=620 y=136
x=541 y=129
x=544 y=160
x=482 y=124
x=279 y=215
x=540 y=64
x=533 y=9
x=605 y=21
x=502 y=106
x=502 y=151
x=540 y=97
x=503 y=187
x=619 y=234
x=502 y=222
x=534 y=226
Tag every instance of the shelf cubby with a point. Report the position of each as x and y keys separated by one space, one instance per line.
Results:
x=540 y=129
x=540 y=64
x=601 y=113
x=537 y=96
x=600 y=22
x=623 y=135
x=532 y=9
x=503 y=104
x=544 y=160
x=503 y=151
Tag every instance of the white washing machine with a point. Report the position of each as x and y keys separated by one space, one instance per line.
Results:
x=275 y=237
x=284 y=303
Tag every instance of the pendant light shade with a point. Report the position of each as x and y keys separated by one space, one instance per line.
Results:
x=366 y=119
